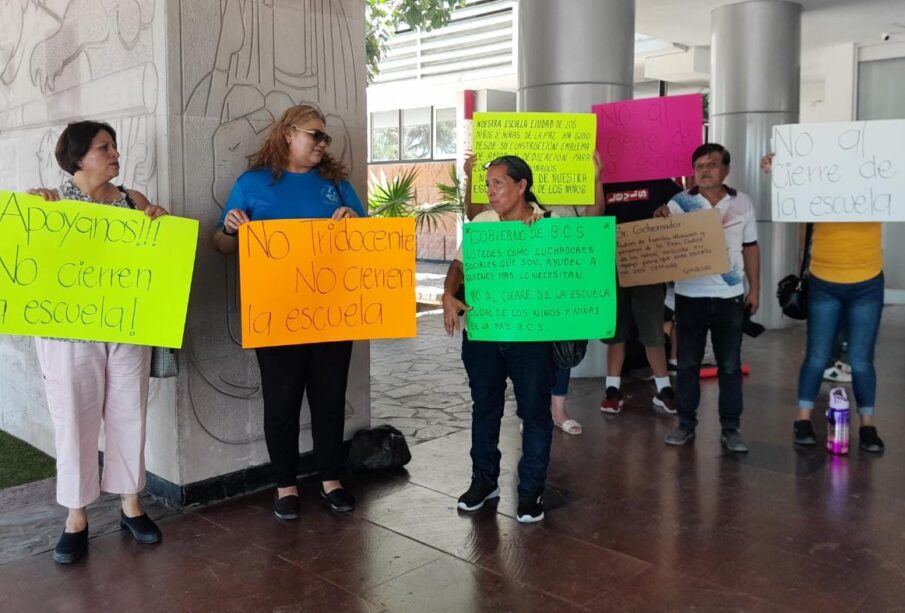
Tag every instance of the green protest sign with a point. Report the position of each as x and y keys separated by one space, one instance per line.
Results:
x=552 y=281
x=91 y=272
x=559 y=148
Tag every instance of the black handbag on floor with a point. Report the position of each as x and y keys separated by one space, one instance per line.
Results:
x=380 y=448
x=792 y=291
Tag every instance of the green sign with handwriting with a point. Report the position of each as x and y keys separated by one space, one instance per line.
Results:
x=552 y=281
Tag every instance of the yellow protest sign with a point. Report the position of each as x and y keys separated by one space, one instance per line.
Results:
x=92 y=272
x=318 y=280
x=559 y=148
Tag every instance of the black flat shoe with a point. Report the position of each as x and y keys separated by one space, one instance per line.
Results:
x=71 y=547
x=286 y=507
x=804 y=433
x=142 y=528
x=869 y=440
x=340 y=499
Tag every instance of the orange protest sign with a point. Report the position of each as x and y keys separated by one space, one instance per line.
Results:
x=318 y=280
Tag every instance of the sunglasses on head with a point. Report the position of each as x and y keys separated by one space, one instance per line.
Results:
x=508 y=160
x=319 y=136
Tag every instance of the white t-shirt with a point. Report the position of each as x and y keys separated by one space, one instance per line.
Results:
x=739 y=228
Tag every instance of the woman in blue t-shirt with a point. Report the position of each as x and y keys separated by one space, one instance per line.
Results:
x=293 y=177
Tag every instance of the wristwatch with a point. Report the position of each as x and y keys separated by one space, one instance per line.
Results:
x=233 y=233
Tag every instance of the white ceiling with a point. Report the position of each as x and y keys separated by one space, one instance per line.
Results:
x=824 y=23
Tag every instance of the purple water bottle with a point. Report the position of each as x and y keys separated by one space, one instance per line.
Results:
x=837 y=422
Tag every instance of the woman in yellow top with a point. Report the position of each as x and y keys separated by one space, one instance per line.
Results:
x=845 y=283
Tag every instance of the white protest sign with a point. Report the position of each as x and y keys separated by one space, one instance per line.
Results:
x=839 y=171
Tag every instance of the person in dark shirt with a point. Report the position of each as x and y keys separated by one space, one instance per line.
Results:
x=628 y=202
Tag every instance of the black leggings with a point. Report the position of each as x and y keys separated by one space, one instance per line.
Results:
x=286 y=373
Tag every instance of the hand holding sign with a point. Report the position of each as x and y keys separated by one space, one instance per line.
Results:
x=50 y=195
x=235 y=218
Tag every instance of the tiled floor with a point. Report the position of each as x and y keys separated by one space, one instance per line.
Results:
x=632 y=525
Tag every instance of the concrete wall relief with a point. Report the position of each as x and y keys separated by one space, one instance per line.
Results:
x=266 y=56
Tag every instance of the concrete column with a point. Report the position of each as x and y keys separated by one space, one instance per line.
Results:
x=571 y=56
x=754 y=84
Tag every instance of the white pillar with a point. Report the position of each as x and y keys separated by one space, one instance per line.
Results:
x=571 y=56
x=754 y=84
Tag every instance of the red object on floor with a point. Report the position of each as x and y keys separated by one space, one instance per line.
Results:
x=708 y=372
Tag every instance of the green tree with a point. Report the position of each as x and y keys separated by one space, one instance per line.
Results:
x=385 y=17
x=396 y=198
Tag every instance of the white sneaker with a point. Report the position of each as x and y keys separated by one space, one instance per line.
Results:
x=839 y=372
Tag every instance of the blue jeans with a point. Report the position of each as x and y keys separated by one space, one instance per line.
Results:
x=858 y=306
x=561 y=382
x=532 y=370
x=723 y=318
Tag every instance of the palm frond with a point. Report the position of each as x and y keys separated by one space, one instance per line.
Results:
x=433 y=215
x=393 y=197
x=452 y=200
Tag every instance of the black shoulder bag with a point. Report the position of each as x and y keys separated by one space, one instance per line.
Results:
x=164 y=363
x=792 y=291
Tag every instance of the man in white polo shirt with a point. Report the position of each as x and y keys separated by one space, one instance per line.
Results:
x=715 y=303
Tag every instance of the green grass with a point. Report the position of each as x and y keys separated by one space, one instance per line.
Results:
x=21 y=463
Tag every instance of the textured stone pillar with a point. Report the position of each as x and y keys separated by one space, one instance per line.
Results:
x=571 y=56
x=574 y=54
x=191 y=88
x=754 y=84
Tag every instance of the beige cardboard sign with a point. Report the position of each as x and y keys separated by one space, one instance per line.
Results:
x=671 y=248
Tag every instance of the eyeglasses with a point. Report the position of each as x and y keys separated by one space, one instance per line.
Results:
x=319 y=136
x=707 y=166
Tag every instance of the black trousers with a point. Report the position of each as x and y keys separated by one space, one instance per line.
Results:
x=321 y=369
x=723 y=318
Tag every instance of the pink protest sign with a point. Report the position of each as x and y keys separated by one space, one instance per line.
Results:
x=652 y=138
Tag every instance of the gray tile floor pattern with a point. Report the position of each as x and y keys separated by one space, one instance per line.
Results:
x=31 y=521
x=429 y=279
x=418 y=385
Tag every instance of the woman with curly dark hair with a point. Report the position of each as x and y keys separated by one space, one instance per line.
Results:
x=293 y=177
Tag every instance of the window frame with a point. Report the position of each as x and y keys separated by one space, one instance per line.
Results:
x=400 y=137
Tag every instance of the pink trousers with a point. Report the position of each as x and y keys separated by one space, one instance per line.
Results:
x=90 y=383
